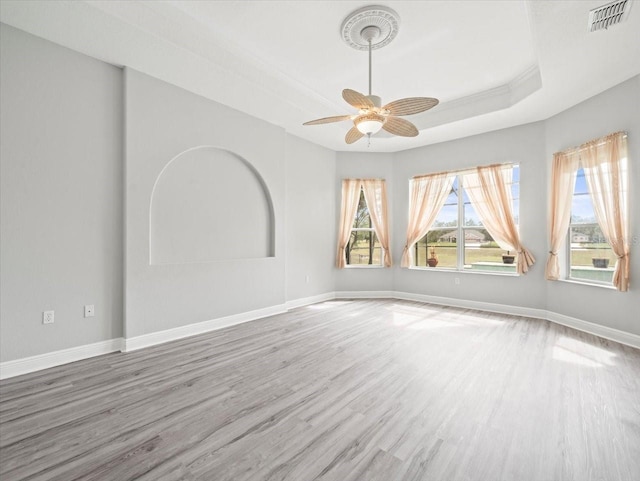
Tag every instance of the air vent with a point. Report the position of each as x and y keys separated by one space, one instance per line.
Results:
x=612 y=13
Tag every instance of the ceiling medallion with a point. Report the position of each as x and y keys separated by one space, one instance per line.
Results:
x=384 y=18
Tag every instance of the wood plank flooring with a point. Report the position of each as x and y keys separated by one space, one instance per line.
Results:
x=343 y=390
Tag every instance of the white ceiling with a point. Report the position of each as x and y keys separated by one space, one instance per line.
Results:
x=492 y=64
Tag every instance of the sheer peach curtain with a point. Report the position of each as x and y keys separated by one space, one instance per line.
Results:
x=605 y=167
x=563 y=181
x=427 y=196
x=348 y=207
x=375 y=193
x=489 y=191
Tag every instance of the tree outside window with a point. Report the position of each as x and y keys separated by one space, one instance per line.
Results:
x=363 y=247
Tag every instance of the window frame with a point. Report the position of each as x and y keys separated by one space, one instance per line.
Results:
x=460 y=231
x=568 y=242
x=363 y=229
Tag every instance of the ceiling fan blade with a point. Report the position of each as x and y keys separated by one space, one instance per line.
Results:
x=353 y=135
x=356 y=99
x=328 y=120
x=401 y=127
x=411 y=105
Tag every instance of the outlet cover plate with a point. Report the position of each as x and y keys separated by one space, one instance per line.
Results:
x=89 y=310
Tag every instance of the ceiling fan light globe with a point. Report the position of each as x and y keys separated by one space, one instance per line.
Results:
x=370 y=123
x=370 y=126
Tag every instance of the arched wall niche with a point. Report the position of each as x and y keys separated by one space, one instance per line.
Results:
x=210 y=204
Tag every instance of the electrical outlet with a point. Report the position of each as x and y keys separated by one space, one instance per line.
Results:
x=456 y=281
x=307 y=279
x=89 y=310
x=47 y=317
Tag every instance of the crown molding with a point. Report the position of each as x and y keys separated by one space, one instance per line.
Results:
x=498 y=98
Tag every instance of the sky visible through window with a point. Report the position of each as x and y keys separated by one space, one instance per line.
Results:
x=581 y=211
x=448 y=215
x=582 y=207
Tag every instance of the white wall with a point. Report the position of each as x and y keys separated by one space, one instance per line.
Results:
x=310 y=219
x=63 y=116
x=61 y=195
x=162 y=122
x=613 y=110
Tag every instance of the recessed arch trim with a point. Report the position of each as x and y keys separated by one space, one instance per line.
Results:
x=210 y=204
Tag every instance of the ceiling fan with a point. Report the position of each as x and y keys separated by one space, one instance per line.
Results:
x=366 y=29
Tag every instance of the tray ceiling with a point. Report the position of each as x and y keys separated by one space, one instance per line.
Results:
x=492 y=64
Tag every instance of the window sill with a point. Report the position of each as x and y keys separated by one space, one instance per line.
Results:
x=363 y=266
x=585 y=283
x=465 y=272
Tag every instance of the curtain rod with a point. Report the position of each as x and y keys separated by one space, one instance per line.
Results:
x=600 y=140
x=466 y=169
x=361 y=179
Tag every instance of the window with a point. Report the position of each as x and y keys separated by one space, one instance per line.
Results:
x=591 y=258
x=363 y=247
x=590 y=206
x=459 y=240
x=363 y=229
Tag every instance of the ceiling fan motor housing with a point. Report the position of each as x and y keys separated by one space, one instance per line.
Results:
x=377 y=101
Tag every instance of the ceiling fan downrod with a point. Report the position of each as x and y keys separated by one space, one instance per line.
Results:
x=369 y=34
x=369 y=66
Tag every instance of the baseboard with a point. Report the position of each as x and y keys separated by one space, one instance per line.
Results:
x=43 y=361
x=160 y=337
x=57 y=358
x=610 y=333
x=305 y=301
x=467 y=304
x=365 y=294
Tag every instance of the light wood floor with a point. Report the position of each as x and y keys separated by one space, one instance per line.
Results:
x=344 y=390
